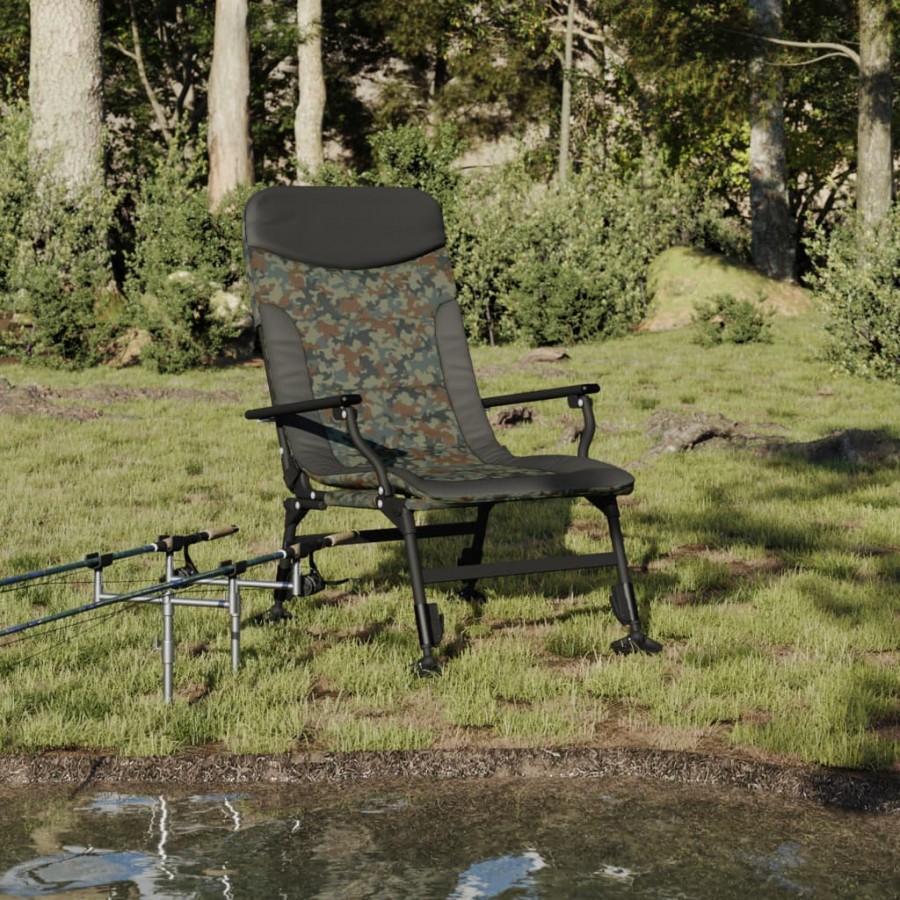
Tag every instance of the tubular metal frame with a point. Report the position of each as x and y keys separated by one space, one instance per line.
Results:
x=170 y=599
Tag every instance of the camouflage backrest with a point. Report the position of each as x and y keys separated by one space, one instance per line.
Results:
x=363 y=275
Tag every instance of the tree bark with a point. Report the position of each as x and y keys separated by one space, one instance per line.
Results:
x=565 y=116
x=230 y=147
x=311 y=90
x=874 y=178
x=65 y=91
x=773 y=235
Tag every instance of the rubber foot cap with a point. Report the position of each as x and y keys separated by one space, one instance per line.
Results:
x=636 y=642
x=426 y=667
x=278 y=613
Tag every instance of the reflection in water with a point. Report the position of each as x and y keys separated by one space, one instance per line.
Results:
x=494 y=877
x=78 y=868
x=446 y=840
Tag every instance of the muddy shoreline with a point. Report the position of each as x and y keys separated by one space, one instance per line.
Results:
x=838 y=788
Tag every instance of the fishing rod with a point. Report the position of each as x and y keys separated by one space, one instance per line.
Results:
x=226 y=569
x=163 y=544
x=226 y=574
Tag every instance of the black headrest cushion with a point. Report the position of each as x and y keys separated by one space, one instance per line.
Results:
x=344 y=227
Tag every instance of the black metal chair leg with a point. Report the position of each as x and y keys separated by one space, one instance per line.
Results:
x=623 y=600
x=472 y=555
x=293 y=515
x=429 y=621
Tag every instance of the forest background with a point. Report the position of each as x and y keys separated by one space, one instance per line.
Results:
x=569 y=141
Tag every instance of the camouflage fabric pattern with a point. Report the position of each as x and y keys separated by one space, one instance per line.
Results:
x=369 y=500
x=372 y=332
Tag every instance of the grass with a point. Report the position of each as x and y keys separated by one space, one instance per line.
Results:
x=774 y=583
x=683 y=277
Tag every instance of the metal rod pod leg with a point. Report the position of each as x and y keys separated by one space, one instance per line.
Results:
x=168 y=645
x=234 y=610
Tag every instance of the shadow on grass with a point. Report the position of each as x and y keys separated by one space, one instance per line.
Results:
x=520 y=531
x=700 y=572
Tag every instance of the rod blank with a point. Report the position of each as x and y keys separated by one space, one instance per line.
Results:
x=227 y=569
x=163 y=544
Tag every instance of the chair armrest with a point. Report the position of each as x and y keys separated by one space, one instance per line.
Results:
x=573 y=392
x=577 y=395
x=342 y=404
x=268 y=413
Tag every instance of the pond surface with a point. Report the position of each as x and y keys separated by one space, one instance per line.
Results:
x=528 y=838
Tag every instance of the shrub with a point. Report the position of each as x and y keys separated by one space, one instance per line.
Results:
x=55 y=264
x=727 y=320
x=16 y=187
x=857 y=279
x=406 y=156
x=484 y=238
x=565 y=264
x=184 y=258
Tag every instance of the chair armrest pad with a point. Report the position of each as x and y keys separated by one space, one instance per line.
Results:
x=303 y=406
x=573 y=392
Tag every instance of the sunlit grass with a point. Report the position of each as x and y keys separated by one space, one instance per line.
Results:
x=774 y=583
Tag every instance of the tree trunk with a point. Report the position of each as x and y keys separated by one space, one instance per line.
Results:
x=311 y=90
x=773 y=236
x=565 y=116
x=230 y=148
x=66 y=91
x=874 y=178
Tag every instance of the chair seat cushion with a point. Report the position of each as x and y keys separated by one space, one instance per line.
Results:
x=524 y=479
x=521 y=478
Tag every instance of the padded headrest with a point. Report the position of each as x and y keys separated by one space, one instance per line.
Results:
x=344 y=227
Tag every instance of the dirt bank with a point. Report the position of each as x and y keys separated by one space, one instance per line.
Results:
x=877 y=792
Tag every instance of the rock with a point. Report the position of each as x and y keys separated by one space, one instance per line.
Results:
x=674 y=432
x=546 y=355
x=127 y=349
x=230 y=309
x=854 y=446
x=510 y=416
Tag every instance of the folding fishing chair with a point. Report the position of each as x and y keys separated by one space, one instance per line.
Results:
x=375 y=399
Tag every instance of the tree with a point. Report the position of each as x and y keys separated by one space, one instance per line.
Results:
x=66 y=90
x=485 y=65
x=155 y=77
x=874 y=147
x=565 y=113
x=874 y=167
x=311 y=89
x=773 y=243
x=230 y=151
x=706 y=76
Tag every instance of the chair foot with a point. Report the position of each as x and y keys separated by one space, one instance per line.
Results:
x=426 y=667
x=635 y=642
x=277 y=613
x=471 y=594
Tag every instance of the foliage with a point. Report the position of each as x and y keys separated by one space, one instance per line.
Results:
x=856 y=278
x=184 y=257
x=273 y=46
x=156 y=62
x=487 y=66
x=567 y=263
x=406 y=156
x=13 y=50
x=54 y=257
x=689 y=65
x=727 y=320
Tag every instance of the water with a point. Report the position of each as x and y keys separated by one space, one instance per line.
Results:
x=460 y=840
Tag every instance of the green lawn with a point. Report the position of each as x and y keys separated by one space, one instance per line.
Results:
x=774 y=582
